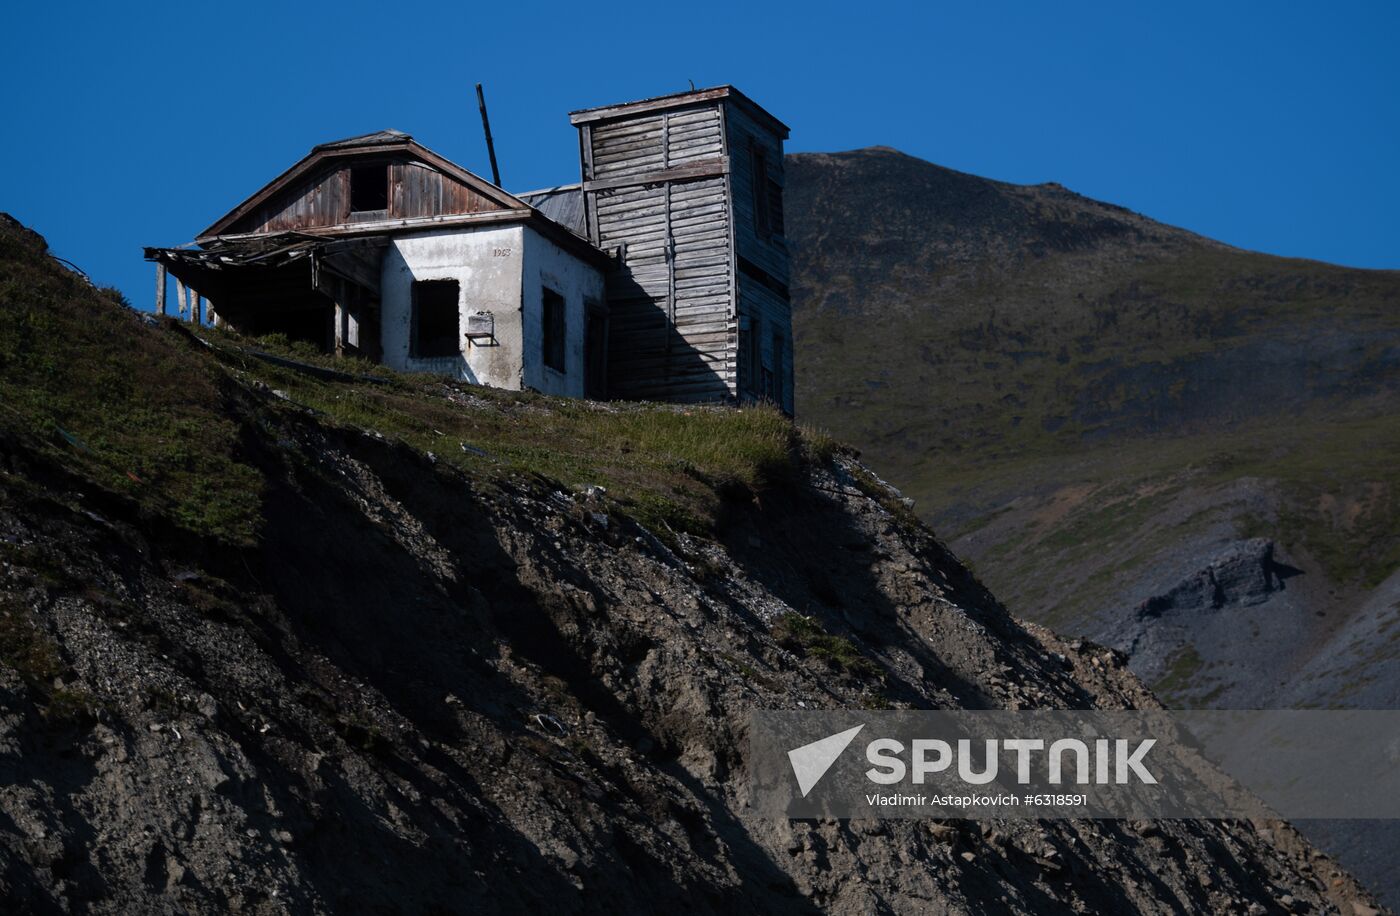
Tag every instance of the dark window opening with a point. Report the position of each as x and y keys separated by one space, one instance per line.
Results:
x=369 y=188
x=436 y=331
x=552 y=330
x=761 y=222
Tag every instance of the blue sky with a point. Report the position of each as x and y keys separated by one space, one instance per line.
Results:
x=1272 y=126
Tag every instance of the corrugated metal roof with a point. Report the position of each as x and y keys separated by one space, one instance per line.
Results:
x=378 y=138
x=563 y=205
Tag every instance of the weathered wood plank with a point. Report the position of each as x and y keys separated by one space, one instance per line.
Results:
x=603 y=132
x=160 y=288
x=618 y=209
x=635 y=209
x=701 y=121
x=618 y=171
x=706 y=115
x=692 y=142
x=627 y=147
x=703 y=168
x=649 y=159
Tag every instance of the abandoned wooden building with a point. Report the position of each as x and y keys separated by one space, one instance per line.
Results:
x=662 y=275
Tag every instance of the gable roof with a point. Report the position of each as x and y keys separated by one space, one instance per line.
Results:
x=366 y=144
x=378 y=138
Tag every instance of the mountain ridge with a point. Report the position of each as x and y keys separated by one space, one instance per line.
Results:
x=1103 y=329
x=1063 y=192
x=1094 y=408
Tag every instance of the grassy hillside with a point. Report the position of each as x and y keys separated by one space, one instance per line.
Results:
x=1067 y=386
x=92 y=388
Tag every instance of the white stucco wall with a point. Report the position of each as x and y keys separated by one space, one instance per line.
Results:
x=548 y=265
x=486 y=262
x=501 y=269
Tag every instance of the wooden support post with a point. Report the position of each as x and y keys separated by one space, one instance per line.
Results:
x=180 y=296
x=160 y=289
x=196 y=308
x=339 y=329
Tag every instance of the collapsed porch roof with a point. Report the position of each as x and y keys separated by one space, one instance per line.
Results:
x=273 y=266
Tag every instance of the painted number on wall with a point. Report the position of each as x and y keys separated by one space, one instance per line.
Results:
x=500 y=252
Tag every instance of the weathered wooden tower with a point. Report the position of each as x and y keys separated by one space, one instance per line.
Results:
x=689 y=189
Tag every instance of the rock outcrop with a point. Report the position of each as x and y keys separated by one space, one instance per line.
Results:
x=1244 y=574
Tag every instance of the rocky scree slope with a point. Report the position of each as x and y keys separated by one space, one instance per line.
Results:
x=280 y=638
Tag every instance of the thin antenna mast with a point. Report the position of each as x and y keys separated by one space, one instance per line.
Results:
x=486 y=126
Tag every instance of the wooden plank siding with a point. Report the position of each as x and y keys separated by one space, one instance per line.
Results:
x=768 y=252
x=761 y=257
x=671 y=299
x=768 y=315
x=416 y=190
x=670 y=182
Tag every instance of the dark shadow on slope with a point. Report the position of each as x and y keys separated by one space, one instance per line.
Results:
x=374 y=611
x=386 y=619
x=845 y=594
x=550 y=629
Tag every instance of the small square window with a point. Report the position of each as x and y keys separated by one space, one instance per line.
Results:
x=436 y=328
x=369 y=187
x=553 y=330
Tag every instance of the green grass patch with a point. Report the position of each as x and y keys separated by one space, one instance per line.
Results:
x=1183 y=669
x=668 y=466
x=805 y=636
x=26 y=648
x=32 y=654
x=87 y=382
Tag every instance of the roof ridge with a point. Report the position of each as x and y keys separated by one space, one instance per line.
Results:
x=375 y=138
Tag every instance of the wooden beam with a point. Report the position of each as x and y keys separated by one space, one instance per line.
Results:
x=196 y=308
x=705 y=168
x=675 y=100
x=374 y=227
x=180 y=296
x=160 y=289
